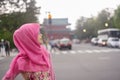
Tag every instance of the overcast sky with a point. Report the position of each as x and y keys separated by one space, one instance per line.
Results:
x=73 y=9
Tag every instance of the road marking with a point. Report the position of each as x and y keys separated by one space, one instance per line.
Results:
x=57 y=53
x=116 y=50
x=98 y=51
x=85 y=51
x=73 y=52
x=80 y=51
x=105 y=50
x=88 y=51
x=64 y=52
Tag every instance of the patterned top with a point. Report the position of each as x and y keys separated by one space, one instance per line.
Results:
x=36 y=75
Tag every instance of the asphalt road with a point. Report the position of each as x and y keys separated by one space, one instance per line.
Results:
x=83 y=62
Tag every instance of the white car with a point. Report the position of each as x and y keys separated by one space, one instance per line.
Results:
x=102 y=42
x=94 y=40
x=65 y=43
x=113 y=42
x=119 y=43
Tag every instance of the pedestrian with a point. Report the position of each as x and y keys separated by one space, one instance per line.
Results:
x=7 y=47
x=0 y=47
x=2 y=44
x=52 y=45
x=33 y=60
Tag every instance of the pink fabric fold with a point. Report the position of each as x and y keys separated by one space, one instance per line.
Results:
x=32 y=56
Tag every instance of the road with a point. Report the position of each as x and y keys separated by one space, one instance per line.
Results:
x=83 y=62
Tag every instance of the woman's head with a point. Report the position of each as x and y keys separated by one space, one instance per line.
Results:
x=40 y=38
x=28 y=36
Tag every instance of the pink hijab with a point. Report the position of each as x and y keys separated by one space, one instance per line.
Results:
x=32 y=56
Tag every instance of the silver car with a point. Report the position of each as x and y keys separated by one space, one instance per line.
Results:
x=94 y=41
x=113 y=42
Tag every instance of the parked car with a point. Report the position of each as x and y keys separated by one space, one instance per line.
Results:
x=102 y=42
x=56 y=41
x=119 y=43
x=65 y=43
x=94 y=41
x=113 y=42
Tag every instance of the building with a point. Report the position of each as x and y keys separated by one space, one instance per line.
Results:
x=56 y=28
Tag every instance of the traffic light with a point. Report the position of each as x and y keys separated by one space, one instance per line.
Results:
x=49 y=18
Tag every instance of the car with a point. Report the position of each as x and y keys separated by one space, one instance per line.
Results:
x=113 y=42
x=54 y=43
x=65 y=43
x=102 y=42
x=94 y=41
x=119 y=43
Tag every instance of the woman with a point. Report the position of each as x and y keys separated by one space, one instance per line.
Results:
x=33 y=60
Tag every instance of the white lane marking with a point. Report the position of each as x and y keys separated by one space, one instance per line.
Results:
x=105 y=50
x=80 y=51
x=88 y=51
x=64 y=52
x=73 y=52
x=98 y=51
x=115 y=50
x=57 y=53
x=84 y=51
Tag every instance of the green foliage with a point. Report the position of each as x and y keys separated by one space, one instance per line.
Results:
x=12 y=20
x=116 y=17
x=102 y=19
x=93 y=24
x=89 y=25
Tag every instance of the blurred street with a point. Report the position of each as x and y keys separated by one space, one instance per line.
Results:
x=83 y=62
x=88 y=29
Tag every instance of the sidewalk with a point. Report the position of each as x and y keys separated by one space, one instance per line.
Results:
x=14 y=52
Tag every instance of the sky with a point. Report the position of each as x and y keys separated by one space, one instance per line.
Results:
x=74 y=9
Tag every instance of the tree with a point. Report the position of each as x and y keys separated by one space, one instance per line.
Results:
x=86 y=28
x=93 y=24
x=21 y=11
x=79 y=26
x=116 y=17
x=102 y=19
x=18 y=13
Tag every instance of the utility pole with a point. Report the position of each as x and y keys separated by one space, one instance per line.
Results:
x=49 y=18
x=50 y=23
